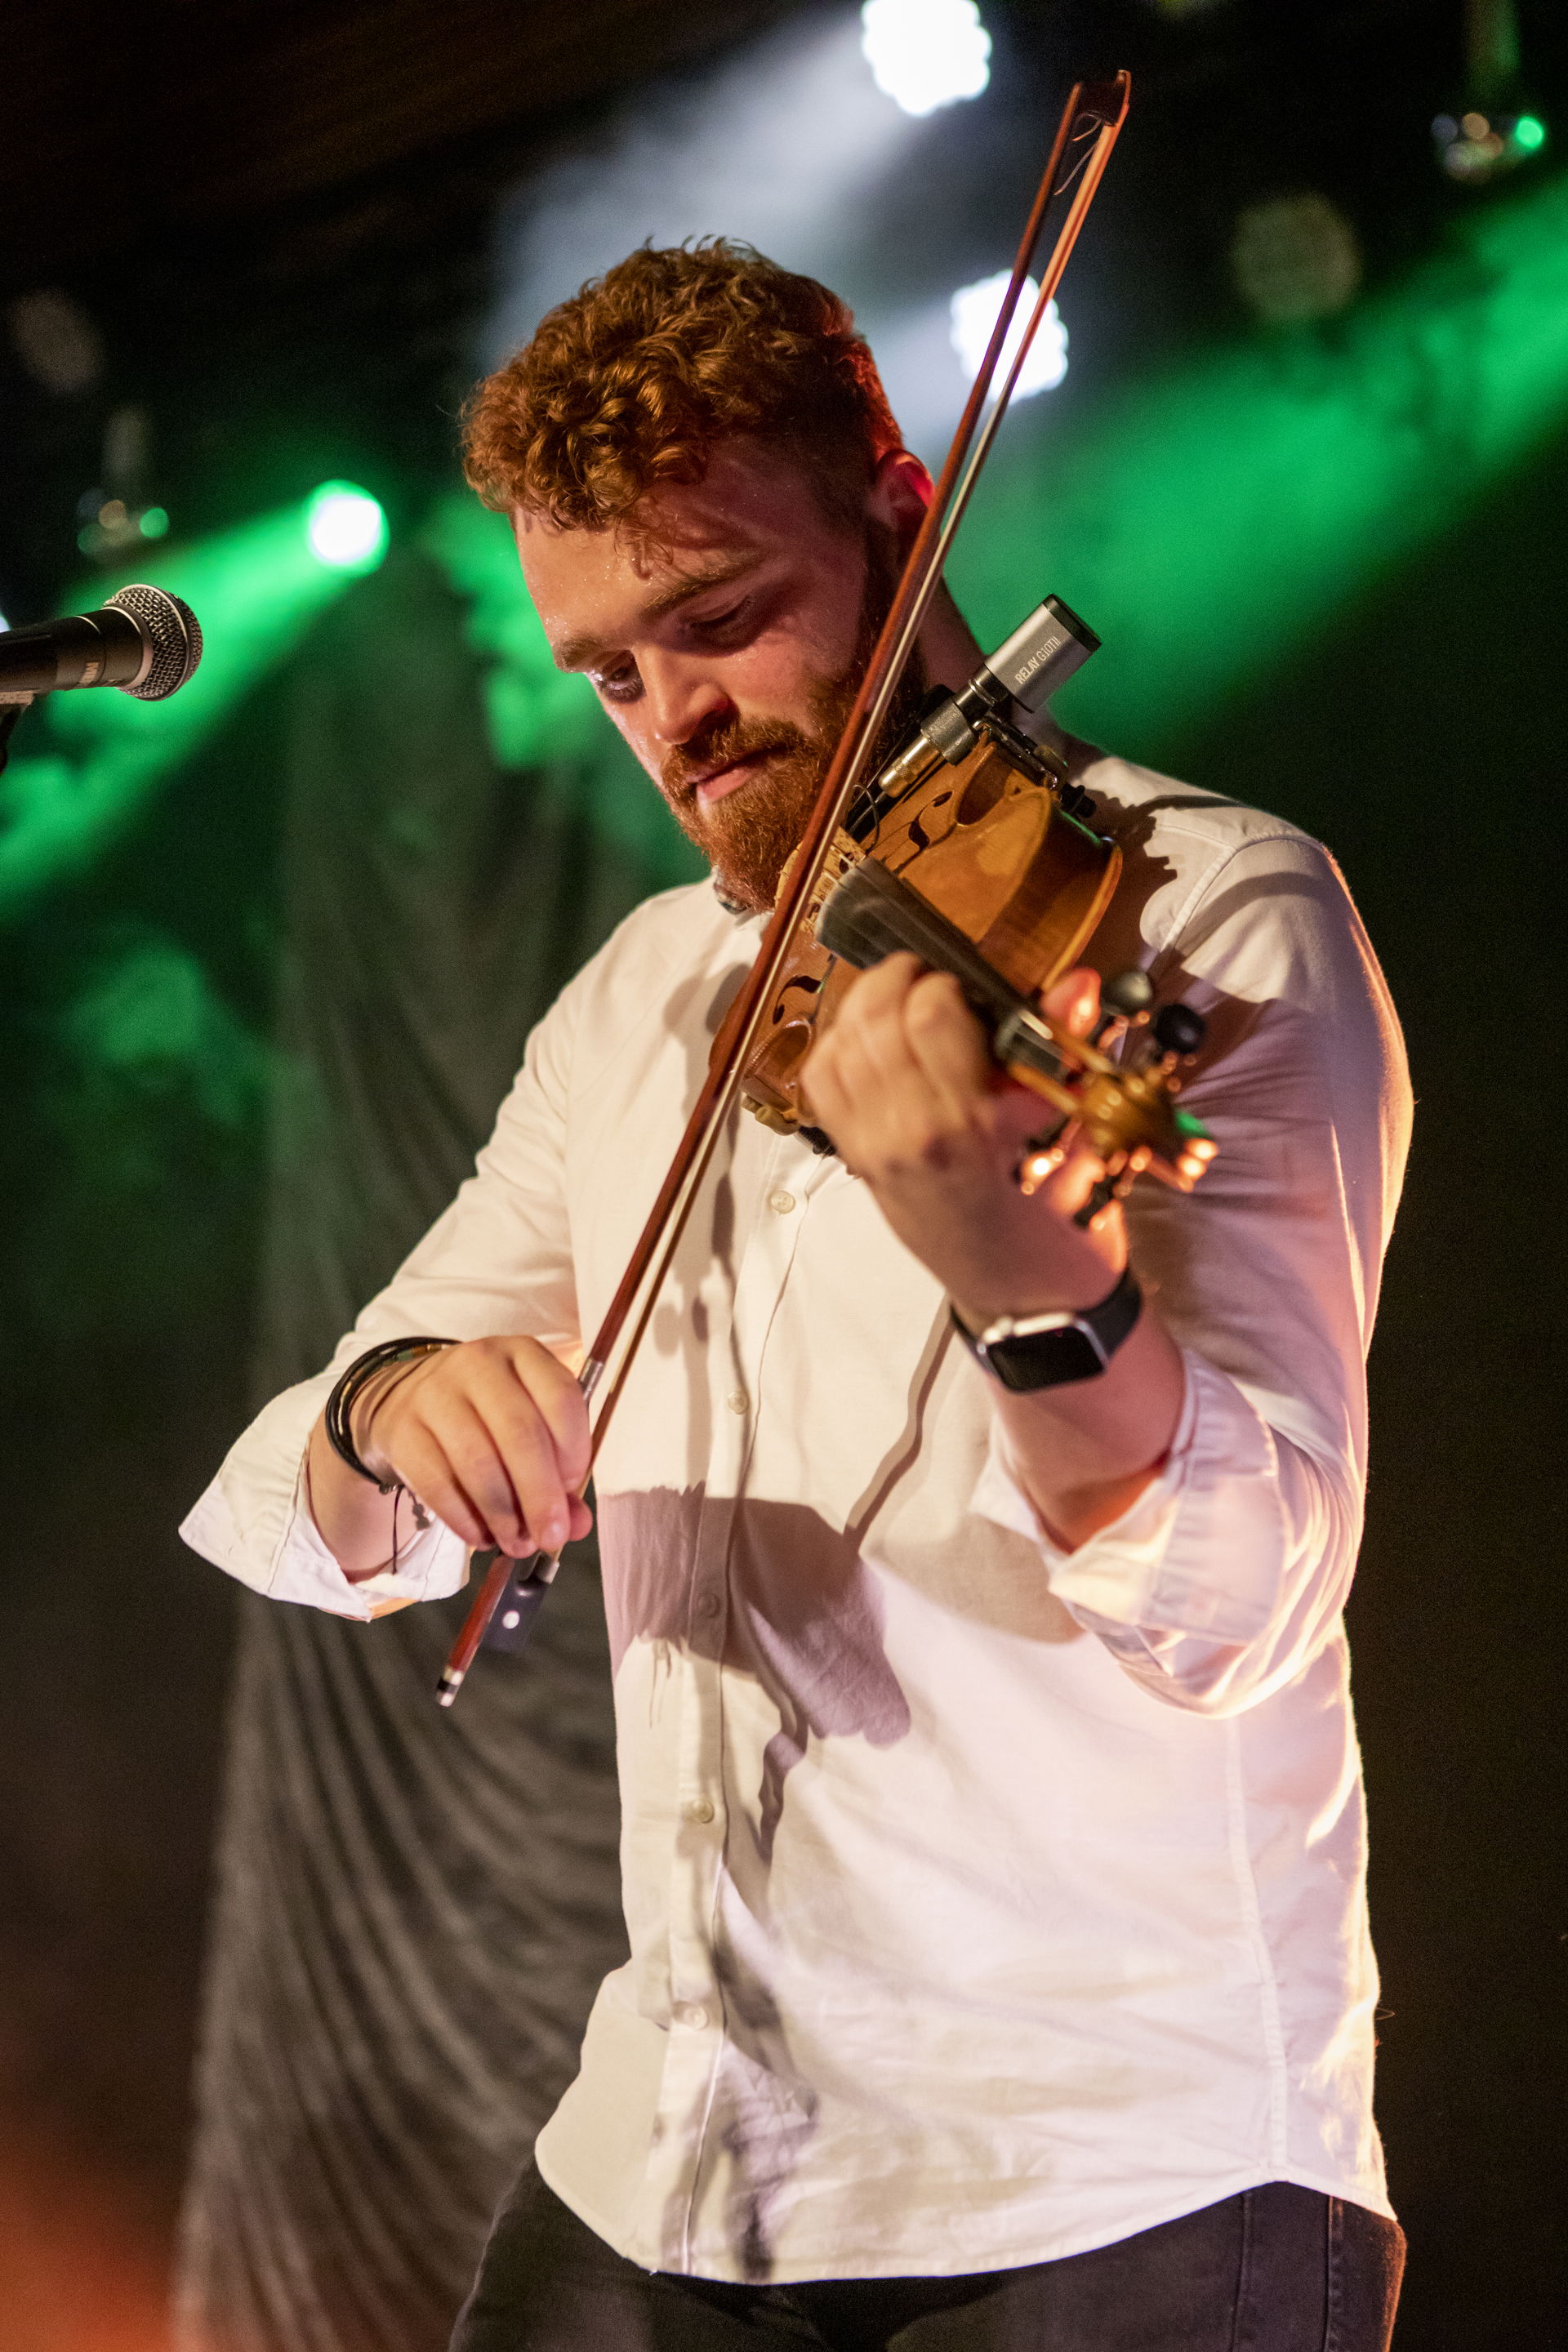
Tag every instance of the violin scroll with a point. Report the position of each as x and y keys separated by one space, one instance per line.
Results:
x=1126 y=1111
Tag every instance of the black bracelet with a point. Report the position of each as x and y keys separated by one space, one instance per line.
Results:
x=351 y=1386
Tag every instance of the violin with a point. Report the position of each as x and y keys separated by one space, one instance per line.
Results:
x=971 y=848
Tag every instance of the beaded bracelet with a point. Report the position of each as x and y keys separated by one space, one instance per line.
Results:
x=351 y=1385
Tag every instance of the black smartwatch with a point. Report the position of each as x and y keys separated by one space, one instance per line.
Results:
x=1046 y=1351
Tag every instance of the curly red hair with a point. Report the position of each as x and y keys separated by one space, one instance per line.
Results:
x=629 y=385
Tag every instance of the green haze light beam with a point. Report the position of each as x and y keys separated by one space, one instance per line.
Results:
x=541 y=719
x=1213 y=516
x=84 y=764
x=1204 y=524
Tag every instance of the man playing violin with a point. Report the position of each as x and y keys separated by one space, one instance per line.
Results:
x=992 y=1843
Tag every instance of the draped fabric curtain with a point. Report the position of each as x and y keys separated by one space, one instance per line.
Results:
x=412 y=1907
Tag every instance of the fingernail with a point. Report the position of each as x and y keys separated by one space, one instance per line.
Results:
x=555 y=1532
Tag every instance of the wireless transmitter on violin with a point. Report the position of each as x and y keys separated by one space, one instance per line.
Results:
x=1036 y=662
x=985 y=823
x=1027 y=669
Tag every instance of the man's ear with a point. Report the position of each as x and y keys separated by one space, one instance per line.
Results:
x=901 y=491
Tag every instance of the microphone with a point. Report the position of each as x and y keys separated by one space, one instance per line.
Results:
x=144 y=641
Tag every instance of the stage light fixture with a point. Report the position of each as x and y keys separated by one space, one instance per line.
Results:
x=113 y=527
x=55 y=342
x=345 y=527
x=1493 y=131
x=1295 y=259
x=1475 y=147
x=925 y=53
x=972 y=314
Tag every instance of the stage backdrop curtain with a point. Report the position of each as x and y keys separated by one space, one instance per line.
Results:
x=412 y=1907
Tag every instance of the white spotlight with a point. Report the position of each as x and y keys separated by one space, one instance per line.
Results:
x=926 y=53
x=973 y=314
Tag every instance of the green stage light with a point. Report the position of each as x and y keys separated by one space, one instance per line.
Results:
x=153 y=522
x=1474 y=147
x=1209 y=517
x=345 y=527
x=83 y=765
x=1207 y=520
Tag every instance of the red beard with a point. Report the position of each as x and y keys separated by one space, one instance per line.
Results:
x=748 y=835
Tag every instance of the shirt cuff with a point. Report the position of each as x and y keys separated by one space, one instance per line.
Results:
x=433 y=1563
x=1199 y=1551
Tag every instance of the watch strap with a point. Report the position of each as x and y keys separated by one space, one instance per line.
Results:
x=1027 y=1352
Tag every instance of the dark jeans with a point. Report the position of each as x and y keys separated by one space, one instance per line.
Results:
x=1277 y=2269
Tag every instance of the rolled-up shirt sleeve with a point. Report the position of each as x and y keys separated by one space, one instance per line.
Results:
x=498 y=1260
x=1225 y=1576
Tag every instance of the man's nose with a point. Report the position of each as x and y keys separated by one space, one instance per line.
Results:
x=684 y=699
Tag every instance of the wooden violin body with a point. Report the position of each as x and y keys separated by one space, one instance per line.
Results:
x=990 y=844
x=981 y=860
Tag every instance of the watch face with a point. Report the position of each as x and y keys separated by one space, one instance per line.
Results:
x=1045 y=1360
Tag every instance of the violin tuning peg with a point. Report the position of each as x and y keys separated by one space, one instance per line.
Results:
x=1043 y=1155
x=1128 y=994
x=1036 y=1168
x=1178 y=1029
x=1110 y=1187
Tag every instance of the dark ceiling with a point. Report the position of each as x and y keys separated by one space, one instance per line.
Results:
x=201 y=111
x=124 y=127
x=277 y=214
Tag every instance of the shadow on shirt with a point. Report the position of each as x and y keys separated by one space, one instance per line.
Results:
x=803 y=1616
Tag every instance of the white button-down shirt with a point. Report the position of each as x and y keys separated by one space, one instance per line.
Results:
x=987 y=1903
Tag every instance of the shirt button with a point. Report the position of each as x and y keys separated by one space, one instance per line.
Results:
x=736 y=1400
x=708 y=1604
x=692 y=2014
x=701 y=1809
x=780 y=1202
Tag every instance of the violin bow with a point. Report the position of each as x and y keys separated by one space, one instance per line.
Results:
x=1090 y=122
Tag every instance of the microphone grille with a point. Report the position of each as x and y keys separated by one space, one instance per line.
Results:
x=171 y=628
